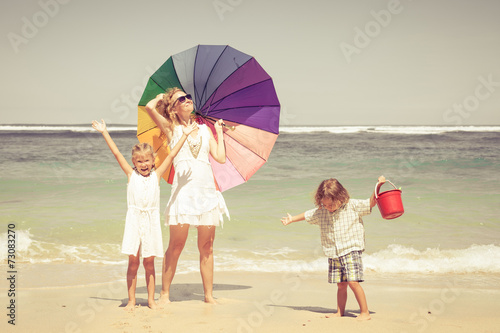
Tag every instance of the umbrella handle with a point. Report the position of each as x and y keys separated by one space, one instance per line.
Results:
x=232 y=128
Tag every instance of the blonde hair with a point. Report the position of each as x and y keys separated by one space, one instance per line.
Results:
x=143 y=148
x=166 y=105
x=332 y=189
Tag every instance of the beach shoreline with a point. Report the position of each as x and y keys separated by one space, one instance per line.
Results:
x=261 y=302
x=441 y=256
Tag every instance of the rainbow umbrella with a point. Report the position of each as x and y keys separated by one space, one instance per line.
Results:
x=225 y=84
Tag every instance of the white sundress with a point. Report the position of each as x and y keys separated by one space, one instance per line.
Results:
x=194 y=199
x=142 y=224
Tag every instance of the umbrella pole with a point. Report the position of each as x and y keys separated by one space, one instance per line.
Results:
x=232 y=128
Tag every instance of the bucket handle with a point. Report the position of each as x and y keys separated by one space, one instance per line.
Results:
x=378 y=189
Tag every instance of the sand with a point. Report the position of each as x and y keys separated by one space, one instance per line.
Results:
x=261 y=302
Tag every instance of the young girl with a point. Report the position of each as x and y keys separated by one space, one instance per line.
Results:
x=342 y=237
x=142 y=234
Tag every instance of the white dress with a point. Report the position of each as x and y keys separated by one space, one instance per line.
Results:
x=142 y=224
x=194 y=199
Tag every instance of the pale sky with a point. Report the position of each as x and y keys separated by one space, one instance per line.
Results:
x=333 y=62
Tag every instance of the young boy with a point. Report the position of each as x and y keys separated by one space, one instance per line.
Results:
x=342 y=237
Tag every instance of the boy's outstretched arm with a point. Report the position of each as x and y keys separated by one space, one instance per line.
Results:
x=290 y=219
x=373 y=201
x=101 y=127
x=186 y=130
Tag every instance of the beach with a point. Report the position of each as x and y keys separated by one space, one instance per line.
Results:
x=263 y=302
x=434 y=269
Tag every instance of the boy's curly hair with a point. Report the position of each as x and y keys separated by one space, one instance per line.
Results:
x=332 y=189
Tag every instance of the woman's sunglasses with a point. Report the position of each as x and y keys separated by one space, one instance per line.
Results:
x=182 y=99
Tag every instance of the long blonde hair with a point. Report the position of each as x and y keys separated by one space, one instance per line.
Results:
x=332 y=189
x=165 y=106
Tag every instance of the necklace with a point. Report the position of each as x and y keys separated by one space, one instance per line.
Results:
x=194 y=145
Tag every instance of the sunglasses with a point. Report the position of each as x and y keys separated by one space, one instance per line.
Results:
x=182 y=99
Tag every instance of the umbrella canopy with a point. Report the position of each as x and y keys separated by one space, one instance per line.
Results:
x=225 y=84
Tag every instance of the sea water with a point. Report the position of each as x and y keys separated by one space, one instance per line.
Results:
x=65 y=194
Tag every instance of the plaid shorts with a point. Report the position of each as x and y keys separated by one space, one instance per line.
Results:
x=347 y=268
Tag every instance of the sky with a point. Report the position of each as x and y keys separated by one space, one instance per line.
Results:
x=333 y=62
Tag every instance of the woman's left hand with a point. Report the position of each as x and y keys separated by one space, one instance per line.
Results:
x=218 y=125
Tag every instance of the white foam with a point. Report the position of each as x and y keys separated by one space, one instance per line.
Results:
x=29 y=249
x=62 y=128
x=315 y=129
x=393 y=259
x=20 y=239
x=402 y=259
x=389 y=129
x=283 y=129
x=269 y=265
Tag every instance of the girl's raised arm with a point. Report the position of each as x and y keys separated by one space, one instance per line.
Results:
x=101 y=127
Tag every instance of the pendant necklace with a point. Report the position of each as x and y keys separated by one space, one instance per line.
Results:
x=194 y=145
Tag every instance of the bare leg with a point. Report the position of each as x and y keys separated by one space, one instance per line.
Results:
x=206 y=237
x=364 y=314
x=341 y=300
x=178 y=236
x=149 y=266
x=133 y=266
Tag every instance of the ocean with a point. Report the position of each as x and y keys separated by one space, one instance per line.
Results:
x=64 y=196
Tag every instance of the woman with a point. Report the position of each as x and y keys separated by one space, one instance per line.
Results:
x=194 y=200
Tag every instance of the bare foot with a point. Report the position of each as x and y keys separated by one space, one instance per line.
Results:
x=153 y=305
x=334 y=315
x=364 y=316
x=210 y=300
x=130 y=306
x=164 y=299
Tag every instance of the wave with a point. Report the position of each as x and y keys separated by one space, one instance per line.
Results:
x=415 y=130
x=30 y=250
x=393 y=259
x=283 y=129
x=402 y=259
x=64 y=128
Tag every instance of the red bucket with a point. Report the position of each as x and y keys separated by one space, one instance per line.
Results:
x=389 y=202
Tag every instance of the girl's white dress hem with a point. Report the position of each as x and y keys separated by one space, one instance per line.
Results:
x=142 y=224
